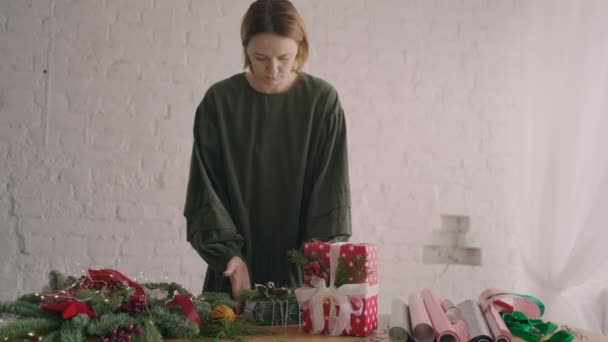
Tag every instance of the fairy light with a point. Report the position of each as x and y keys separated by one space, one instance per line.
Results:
x=31 y=334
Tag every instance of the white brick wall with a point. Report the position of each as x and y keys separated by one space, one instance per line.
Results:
x=97 y=102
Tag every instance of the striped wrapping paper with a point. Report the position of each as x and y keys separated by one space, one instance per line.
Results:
x=497 y=326
x=443 y=328
x=508 y=302
x=422 y=328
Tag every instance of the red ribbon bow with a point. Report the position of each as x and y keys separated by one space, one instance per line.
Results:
x=70 y=308
x=185 y=303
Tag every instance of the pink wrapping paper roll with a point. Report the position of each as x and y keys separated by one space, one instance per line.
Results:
x=497 y=326
x=422 y=328
x=443 y=328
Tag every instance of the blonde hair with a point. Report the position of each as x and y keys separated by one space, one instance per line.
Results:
x=279 y=17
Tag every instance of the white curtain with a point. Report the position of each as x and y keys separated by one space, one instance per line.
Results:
x=564 y=199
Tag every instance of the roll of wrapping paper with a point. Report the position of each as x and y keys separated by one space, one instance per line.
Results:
x=444 y=330
x=399 y=329
x=497 y=326
x=478 y=328
x=422 y=328
x=455 y=317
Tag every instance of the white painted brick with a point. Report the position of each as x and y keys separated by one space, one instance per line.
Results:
x=101 y=210
x=123 y=70
x=9 y=280
x=17 y=102
x=39 y=245
x=105 y=247
x=30 y=207
x=135 y=247
x=3 y=20
x=67 y=11
x=48 y=227
x=107 y=228
x=70 y=246
x=75 y=175
x=130 y=35
x=52 y=191
x=9 y=242
x=130 y=211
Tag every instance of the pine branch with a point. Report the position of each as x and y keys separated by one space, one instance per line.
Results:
x=104 y=324
x=217 y=298
x=24 y=309
x=151 y=333
x=52 y=337
x=203 y=309
x=30 y=298
x=169 y=287
x=21 y=328
x=56 y=281
x=173 y=326
x=102 y=304
x=73 y=330
x=297 y=257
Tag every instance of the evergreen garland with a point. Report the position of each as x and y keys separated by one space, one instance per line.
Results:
x=151 y=333
x=98 y=307
x=172 y=325
x=104 y=324
x=23 y=309
x=29 y=327
x=102 y=304
x=73 y=330
x=217 y=298
x=52 y=337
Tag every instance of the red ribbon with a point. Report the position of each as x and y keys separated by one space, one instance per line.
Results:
x=70 y=308
x=185 y=303
x=107 y=277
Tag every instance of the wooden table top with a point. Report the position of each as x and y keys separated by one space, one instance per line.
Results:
x=295 y=333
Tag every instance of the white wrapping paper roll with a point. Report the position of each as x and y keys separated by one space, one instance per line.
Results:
x=400 y=327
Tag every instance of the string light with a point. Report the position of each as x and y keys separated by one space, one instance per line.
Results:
x=31 y=333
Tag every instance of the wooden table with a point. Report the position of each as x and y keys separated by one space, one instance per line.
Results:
x=295 y=333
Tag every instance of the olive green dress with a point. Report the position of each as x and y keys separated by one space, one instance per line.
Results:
x=268 y=173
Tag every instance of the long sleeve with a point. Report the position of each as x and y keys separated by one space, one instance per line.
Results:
x=210 y=227
x=328 y=216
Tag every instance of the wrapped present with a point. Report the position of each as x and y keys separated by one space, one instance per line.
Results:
x=340 y=292
x=272 y=311
x=268 y=305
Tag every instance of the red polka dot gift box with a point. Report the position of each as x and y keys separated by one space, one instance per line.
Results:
x=340 y=291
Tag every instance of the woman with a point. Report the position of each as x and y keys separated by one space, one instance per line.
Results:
x=269 y=166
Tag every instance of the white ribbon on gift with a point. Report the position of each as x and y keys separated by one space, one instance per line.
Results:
x=341 y=296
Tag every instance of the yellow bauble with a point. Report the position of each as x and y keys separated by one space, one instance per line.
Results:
x=223 y=312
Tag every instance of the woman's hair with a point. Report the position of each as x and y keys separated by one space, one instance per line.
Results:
x=279 y=17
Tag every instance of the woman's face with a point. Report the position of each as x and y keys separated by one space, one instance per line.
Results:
x=272 y=58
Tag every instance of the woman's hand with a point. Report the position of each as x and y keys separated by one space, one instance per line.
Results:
x=237 y=271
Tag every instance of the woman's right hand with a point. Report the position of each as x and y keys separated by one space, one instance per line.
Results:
x=237 y=271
